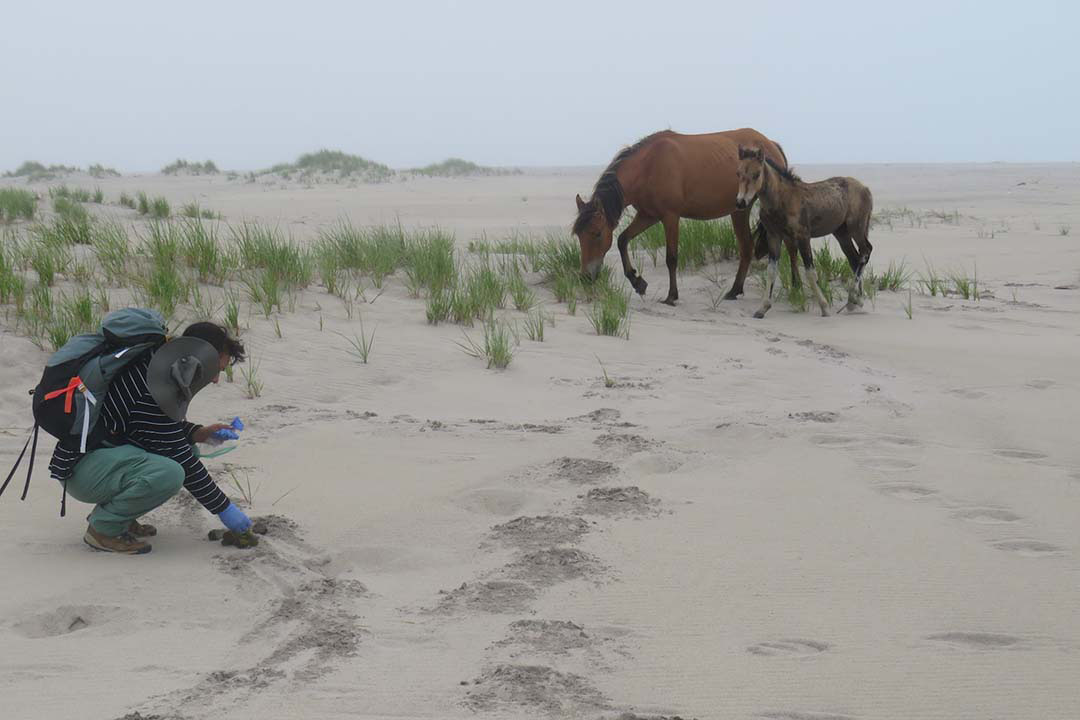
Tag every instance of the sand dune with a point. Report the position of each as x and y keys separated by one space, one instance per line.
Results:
x=864 y=516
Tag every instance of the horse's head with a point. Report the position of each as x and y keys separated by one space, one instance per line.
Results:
x=750 y=173
x=594 y=233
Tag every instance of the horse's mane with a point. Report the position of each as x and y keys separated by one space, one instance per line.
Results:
x=785 y=173
x=608 y=193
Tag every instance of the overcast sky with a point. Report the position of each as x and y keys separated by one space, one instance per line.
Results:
x=135 y=85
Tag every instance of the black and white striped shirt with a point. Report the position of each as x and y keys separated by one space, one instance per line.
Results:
x=132 y=417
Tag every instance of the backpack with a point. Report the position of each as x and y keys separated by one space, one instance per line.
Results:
x=67 y=400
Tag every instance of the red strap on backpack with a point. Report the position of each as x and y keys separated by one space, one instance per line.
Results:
x=68 y=392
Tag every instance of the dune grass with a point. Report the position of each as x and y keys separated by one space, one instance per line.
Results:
x=202 y=251
x=701 y=242
x=100 y=171
x=17 y=204
x=112 y=250
x=496 y=348
x=456 y=167
x=610 y=313
x=334 y=162
x=192 y=210
x=190 y=168
x=35 y=172
x=127 y=201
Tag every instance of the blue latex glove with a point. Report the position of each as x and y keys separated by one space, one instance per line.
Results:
x=227 y=433
x=234 y=518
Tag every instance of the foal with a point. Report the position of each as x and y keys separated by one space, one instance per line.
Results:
x=794 y=210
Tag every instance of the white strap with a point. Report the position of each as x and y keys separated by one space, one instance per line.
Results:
x=121 y=353
x=86 y=417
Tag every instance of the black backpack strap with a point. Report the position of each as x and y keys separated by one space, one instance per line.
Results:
x=63 y=500
x=32 y=436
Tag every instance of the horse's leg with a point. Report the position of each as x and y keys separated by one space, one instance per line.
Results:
x=811 y=274
x=638 y=225
x=671 y=234
x=843 y=236
x=793 y=252
x=740 y=221
x=770 y=279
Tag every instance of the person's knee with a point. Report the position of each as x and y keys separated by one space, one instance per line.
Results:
x=166 y=475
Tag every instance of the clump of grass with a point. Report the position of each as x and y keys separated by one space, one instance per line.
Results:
x=486 y=288
x=241 y=481
x=456 y=167
x=128 y=201
x=253 y=384
x=163 y=285
x=437 y=307
x=1064 y=230
x=111 y=247
x=159 y=208
x=98 y=196
x=609 y=382
x=701 y=242
x=203 y=253
x=35 y=171
x=12 y=283
x=375 y=252
x=610 y=313
x=522 y=295
x=48 y=255
x=16 y=203
x=966 y=287
x=428 y=258
x=143 y=203
x=71 y=225
x=497 y=347
x=335 y=162
x=831 y=267
x=361 y=343
x=464 y=305
x=192 y=210
x=232 y=310
x=895 y=276
x=535 y=322
x=190 y=168
x=100 y=171
x=932 y=282
x=558 y=257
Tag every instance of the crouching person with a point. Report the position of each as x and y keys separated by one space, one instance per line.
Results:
x=147 y=453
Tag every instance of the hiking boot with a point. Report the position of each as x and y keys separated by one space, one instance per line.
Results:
x=141 y=530
x=125 y=543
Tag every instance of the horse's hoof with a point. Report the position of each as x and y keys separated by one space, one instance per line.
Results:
x=759 y=314
x=825 y=313
x=639 y=285
x=733 y=294
x=668 y=301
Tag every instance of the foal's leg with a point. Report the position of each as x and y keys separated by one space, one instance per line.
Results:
x=811 y=274
x=740 y=221
x=843 y=236
x=793 y=252
x=770 y=279
x=671 y=234
x=638 y=225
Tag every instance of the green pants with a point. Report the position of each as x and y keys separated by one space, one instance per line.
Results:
x=124 y=483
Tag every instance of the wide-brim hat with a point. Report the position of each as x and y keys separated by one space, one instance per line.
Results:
x=179 y=369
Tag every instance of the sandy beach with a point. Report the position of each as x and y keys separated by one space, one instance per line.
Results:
x=867 y=516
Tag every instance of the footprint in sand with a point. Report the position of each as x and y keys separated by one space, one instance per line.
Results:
x=977 y=640
x=907 y=491
x=67 y=619
x=582 y=471
x=818 y=416
x=1019 y=454
x=1029 y=548
x=900 y=440
x=986 y=516
x=540 y=531
x=802 y=715
x=837 y=441
x=788 y=648
x=888 y=464
x=1040 y=384
x=534 y=688
x=967 y=394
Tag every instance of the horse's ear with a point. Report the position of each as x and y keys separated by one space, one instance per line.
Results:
x=580 y=203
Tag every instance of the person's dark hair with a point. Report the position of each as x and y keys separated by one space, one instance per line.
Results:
x=219 y=337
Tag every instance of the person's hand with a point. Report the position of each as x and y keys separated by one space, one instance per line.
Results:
x=234 y=518
x=204 y=433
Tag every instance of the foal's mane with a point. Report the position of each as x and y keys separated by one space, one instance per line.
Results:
x=608 y=193
x=784 y=172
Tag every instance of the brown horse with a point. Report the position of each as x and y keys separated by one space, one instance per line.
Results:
x=791 y=209
x=667 y=176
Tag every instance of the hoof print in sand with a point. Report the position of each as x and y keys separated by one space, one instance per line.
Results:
x=835 y=440
x=556 y=637
x=583 y=471
x=496 y=596
x=540 y=531
x=819 y=416
x=1018 y=454
x=624 y=443
x=788 y=648
x=536 y=688
x=977 y=640
x=552 y=566
x=905 y=491
x=888 y=464
x=603 y=416
x=987 y=516
x=801 y=715
x=618 y=501
x=1030 y=548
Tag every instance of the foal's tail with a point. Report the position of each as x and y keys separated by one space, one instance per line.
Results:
x=761 y=240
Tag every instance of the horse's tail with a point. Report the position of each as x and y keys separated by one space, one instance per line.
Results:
x=761 y=240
